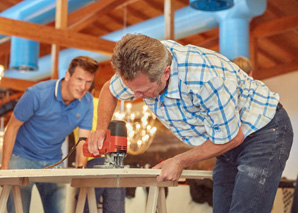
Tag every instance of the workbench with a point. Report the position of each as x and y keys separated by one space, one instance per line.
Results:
x=88 y=179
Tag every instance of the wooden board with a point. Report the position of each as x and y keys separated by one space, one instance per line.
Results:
x=66 y=175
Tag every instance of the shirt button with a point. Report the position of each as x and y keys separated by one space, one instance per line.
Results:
x=162 y=104
x=183 y=138
x=171 y=125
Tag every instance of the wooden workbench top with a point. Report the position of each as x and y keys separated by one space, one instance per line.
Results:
x=66 y=175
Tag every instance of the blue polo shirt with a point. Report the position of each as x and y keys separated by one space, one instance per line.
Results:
x=47 y=120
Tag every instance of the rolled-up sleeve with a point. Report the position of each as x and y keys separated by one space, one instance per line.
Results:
x=119 y=90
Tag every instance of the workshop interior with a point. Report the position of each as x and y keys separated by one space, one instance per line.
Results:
x=39 y=38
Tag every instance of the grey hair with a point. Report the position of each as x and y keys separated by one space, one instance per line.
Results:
x=137 y=53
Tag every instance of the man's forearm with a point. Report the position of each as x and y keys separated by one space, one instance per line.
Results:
x=106 y=107
x=8 y=144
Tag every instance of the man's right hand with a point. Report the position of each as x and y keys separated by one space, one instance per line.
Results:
x=95 y=141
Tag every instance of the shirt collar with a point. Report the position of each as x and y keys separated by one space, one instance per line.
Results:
x=58 y=94
x=172 y=90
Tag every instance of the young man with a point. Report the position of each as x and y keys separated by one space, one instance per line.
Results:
x=42 y=118
x=207 y=102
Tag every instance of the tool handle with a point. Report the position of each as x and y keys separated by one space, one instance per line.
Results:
x=102 y=151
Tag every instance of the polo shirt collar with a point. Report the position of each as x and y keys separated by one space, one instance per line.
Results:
x=58 y=94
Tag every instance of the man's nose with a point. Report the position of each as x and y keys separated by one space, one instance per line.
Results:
x=138 y=95
x=83 y=85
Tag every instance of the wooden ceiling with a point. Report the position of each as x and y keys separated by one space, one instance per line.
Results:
x=274 y=35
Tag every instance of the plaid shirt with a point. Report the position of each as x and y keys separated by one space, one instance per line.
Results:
x=207 y=97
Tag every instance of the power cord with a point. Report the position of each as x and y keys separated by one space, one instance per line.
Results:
x=69 y=153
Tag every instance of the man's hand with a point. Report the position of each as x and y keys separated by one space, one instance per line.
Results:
x=171 y=170
x=95 y=141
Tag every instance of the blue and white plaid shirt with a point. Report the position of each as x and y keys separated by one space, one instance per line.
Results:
x=208 y=97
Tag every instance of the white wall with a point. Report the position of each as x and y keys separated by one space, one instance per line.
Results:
x=287 y=86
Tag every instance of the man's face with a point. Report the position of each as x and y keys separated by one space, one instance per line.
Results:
x=78 y=83
x=142 y=87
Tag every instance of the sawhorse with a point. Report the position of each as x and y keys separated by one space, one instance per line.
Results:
x=156 y=198
x=15 y=183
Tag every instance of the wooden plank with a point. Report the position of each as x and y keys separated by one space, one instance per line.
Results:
x=50 y=35
x=276 y=26
x=14 y=181
x=60 y=23
x=92 y=199
x=152 y=199
x=98 y=6
x=161 y=201
x=81 y=200
x=66 y=175
x=3 y=197
x=90 y=13
x=17 y=198
x=169 y=14
x=121 y=182
x=275 y=71
x=16 y=84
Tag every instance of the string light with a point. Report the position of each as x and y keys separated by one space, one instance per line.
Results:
x=1 y=71
x=140 y=128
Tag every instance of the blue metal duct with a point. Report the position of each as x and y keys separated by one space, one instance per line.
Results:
x=234 y=27
x=188 y=21
x=25 y=53
x=211 y=5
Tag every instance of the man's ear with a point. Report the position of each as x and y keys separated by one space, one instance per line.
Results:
x=67 y=75
x=167 y=72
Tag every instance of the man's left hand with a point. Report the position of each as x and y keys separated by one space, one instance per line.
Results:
x=171 y=170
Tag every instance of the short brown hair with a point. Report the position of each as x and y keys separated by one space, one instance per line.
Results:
x=136 y=53
x=85 y=62
x=243 y=63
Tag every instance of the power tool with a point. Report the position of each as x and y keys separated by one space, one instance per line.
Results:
x=114 y=146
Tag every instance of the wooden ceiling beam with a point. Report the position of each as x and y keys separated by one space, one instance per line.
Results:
x=60 y=23
x=51 y=35
x=103 y=7
x=16 y=84
x=209 y=42
x=269 y=56
x=169 y=13
x=137 y=13
x=272 y=46
x=276 y=26
x=155 y=5
x=4 y=48
x=276 y=70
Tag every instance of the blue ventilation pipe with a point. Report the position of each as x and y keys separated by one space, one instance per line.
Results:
x=234 y=27
x=188 y=21
x=24 y=53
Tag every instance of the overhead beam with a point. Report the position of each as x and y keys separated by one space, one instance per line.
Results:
x=16 y=84
x=102 y=5
x=276 y=26
x=276 y=70
x=60 y=23
x=169 y=14
x=90 y=13
x=51 y=35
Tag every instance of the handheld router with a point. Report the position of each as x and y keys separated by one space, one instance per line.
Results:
x=114 y=146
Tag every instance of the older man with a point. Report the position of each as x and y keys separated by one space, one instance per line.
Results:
x=207 y=102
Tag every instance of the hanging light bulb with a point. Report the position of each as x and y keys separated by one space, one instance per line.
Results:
x=1 y=71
